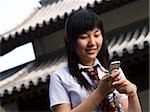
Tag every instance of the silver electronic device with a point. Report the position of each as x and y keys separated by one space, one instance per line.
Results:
x=114 y=65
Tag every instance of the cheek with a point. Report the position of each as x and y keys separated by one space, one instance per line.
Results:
x=80 y=45
x=99 y=43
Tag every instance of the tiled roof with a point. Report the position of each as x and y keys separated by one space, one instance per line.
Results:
x=42 y=21
x=34 y=73
x=50 y=18
x=50 y=12
x=128 y=42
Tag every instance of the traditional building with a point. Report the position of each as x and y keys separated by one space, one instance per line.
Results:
x=126 y=23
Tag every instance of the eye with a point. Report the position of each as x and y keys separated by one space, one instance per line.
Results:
x=97 y=33
x=83 y=36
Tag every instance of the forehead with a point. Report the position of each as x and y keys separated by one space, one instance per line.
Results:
x=94 y=30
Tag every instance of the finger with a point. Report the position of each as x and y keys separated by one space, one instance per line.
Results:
x=121 y=86
x=115 y=73
x=107 y=77
x=119 y=82
x=121 y=89
x=119 y=77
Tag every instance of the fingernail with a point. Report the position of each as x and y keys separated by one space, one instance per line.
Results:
x=113 y=83
x=112 y=75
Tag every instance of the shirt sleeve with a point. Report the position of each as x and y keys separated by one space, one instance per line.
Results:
x=57 y=92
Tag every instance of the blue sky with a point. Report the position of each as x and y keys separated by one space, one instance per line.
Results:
x=12 y=13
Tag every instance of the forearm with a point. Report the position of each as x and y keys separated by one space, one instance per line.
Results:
x=134 y=103
x=90 y=103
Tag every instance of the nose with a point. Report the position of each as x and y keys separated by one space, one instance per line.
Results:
x=91 y=40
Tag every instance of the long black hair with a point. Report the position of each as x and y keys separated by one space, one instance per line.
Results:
x=77 y=23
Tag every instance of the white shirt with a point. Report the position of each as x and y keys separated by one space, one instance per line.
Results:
x=65 y=89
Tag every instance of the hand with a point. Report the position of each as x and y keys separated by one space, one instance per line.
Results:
x=105 y=86
x=127 y=87
x=123 y=85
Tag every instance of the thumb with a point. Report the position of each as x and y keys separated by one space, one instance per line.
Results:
x=107 y=77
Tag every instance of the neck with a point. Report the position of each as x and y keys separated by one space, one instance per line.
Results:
x=87 y=62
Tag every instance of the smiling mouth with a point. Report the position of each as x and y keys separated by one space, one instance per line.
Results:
x=90 y=51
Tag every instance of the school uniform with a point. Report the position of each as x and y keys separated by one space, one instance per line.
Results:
x=64 y=88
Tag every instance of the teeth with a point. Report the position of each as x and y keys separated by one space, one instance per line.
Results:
x=90 y=50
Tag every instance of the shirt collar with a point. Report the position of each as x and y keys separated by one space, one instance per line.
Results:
x=96 y=61
x=83 y=66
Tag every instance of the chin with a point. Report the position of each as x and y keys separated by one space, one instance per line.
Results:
x=92 y=57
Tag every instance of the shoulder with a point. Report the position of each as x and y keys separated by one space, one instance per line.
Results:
x=60 y=74
x=63 y=70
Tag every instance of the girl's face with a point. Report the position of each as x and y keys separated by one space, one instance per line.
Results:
x=88 y=45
